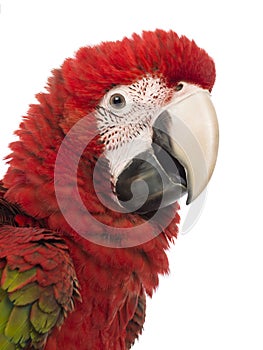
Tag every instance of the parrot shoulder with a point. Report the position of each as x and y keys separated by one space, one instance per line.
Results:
x=38 y=286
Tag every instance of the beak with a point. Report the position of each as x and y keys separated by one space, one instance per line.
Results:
x=192 y=138
x=181 y=158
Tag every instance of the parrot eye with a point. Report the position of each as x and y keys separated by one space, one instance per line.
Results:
x=179 y=86
x=117 y=101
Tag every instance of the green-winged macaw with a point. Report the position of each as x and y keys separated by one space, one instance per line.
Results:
x=88 y=205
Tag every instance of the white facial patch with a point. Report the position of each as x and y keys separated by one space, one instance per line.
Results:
x=125 y=117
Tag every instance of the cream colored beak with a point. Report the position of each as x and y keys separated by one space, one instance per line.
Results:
x=194 y=138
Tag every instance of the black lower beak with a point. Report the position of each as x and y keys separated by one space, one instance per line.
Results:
x=152 y=180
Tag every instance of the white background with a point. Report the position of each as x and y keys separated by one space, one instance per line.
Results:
x=213 y=298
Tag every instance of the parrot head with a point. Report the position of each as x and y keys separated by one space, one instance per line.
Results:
x=150 y=124
x=154 y=116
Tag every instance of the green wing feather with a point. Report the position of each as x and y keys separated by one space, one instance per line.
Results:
x=35 y=272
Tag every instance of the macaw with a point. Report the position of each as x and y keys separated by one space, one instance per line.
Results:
x=89 y=202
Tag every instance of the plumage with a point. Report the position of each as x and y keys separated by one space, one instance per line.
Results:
x=37 y=286
x=59 y=290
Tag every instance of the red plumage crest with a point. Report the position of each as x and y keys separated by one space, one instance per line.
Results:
x=97 y=69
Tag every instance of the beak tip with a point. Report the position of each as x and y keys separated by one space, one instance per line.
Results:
x=188 y=201
x=190 y=198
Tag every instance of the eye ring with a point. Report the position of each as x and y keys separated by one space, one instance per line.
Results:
x=179 y=86
x=117 y=101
